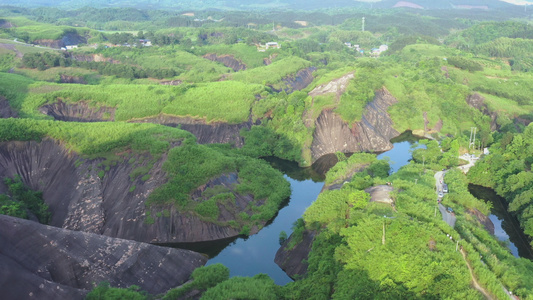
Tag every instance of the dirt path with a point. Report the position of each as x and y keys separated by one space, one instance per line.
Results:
x=474 y=281
x=12 y=48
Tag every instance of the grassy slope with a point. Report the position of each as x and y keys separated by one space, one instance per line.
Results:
x=221 y=101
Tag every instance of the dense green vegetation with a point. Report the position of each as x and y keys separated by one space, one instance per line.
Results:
x=22 y=202
x=439 y=63
x=508 y=171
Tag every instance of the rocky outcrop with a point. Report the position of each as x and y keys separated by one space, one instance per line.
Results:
x=336 y=86
x=482 y=219
x=478 y=102
x=292 y=261
x=212 y=133
x=298 y=81
x=5 y=109
x=371 y=134
x=84 y=197
x=227 y=60
x=44 y=262
x=380 y=193
x=268 y=60
x=171 y=82
x=72 y=79
x=78 y=112
x=6 y=24
x=66 y=40
x=92 y=58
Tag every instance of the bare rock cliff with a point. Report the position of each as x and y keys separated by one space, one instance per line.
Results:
x=212 y=133
x=44 y=262
x=371 y=134
x=478 y=102
x=298 y=81
x=78 y=112
x=113 y=205
x=5 y=109
x=227 y=60
x=67 y=39
x=291 y=261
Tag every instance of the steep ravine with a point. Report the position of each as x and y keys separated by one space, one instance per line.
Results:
x=212 y=133
x=217 y=132
x=372 y=134
x=113 y=205
x=45 y=262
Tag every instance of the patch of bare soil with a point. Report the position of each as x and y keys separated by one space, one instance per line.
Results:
x=12 y=48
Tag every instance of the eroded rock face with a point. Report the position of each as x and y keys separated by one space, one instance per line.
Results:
x=291 y=261
x=268 y=60
x=213 y=133
x=478 y=102
x=484 y=220
x=227 y=60
x=72 y=79
x=337 y=86
x=66 y=40
x=44 y=262
x=298 y=81
x=372 y=134
x=92 y=58
x=84 y=198
x=78 y=112
x=5 y=109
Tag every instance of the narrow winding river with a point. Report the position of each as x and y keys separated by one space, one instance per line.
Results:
x=506 y=226
x=255 y=254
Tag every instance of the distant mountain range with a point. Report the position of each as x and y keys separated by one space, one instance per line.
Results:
x=269 y=4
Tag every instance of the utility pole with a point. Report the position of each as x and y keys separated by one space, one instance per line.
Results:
x=435 y=212
x=472 y=137
x=383 y=238
x=363 y=25
x=457 y=246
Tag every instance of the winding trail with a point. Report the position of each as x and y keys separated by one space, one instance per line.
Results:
x=476 y=285
x=450 y=220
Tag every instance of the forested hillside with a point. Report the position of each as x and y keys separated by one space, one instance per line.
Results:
x=151 y=125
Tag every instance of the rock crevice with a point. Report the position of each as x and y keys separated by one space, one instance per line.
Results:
x=82 y=196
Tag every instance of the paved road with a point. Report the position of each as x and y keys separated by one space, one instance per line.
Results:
x=446 y=216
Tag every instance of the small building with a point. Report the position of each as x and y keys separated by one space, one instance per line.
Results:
x=272 y=45
x=146 y=43
x=70 y=47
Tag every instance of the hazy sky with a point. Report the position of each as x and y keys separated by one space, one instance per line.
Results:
x=520 y=2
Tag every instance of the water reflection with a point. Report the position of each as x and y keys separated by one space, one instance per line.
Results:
x=400 y=154
x=254 y=255
x=506 y=226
